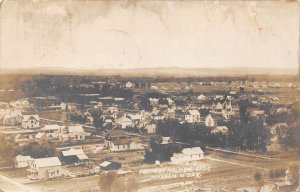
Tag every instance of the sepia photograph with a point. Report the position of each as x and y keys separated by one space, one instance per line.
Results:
x=149 y=95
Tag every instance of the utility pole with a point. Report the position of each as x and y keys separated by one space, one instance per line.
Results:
x=299 y=40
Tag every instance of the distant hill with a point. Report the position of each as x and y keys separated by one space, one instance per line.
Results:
x=163 y=71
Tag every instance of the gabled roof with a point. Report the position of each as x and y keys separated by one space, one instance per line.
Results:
x=135 y=116
x=76 y=128
x=23 y=158
x=75 y=152
x=168 y=110
x=105 y=163
x=123 y=118
x=28 y=117
x=192 y=151
x=39 y=135
x=51 y=127
x=47 y=162
x=193 y=112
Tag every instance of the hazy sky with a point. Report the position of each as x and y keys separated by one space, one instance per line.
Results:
x=119 y=34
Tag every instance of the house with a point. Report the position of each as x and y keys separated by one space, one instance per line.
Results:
x=124 y=122
x=187 y=155
x=209 y=121
x=120 y=141
x=192 y=116
x=23 y=161
x=45 y=168
x=220 y=129
x=30 y=121
x=201 y=97
x=166 y=140
x=136 y=119
x=129 y=85
x=110 y=165
x=72 y=133
x=52 y=130
x=258 y=114
x=20 y=103
x=41 y=138
x=150 y=126
x=72 y=156
x=169 y=113
x=13 y=118
x=153 y=101
x=157 y=115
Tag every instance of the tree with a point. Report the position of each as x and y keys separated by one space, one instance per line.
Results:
x=36 y=150
x=168 y=128
x=97 y=119
x=244 y=105
x=145 y=104
x=8 y=151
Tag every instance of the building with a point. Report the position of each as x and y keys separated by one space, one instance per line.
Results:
x=20 y=103
x=150 y=126
x=52 y=130
x=120 y=141
x=12 y=118
x=220 y=129
x=192 y=116
x=30 y=121
x=169 y=113
x=201 y=97
x=45 y=168
x=129 y=85
x=23 y=161
x=188 y=154
x=41 y=138
x=72 y=156
x=72 y=133
x=110 y=165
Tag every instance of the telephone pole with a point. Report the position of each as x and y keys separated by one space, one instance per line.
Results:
x=299 y=40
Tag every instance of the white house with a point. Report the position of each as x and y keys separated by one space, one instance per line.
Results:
x=192 y=116
x=188 y=154
x=20 y=103
x=45 y=168
x=23 y=161
x=125 y=122
x=201 y=97
x=52 y=130
x=129 y=85
x=220 y=129
x=30 y=121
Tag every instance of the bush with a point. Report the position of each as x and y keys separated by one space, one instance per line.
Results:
x=257 y=176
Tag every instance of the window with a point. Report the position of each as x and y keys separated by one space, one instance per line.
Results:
x=57 y=171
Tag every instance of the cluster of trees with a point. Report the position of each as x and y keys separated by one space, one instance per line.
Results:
x=78 y=118
x=8 y=151
x=241 y=136
x=36 y=150
x=161 y=152
x=108 y=90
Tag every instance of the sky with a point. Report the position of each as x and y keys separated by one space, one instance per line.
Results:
x=148 y=34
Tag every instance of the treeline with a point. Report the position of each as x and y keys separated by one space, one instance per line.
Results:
x=251 y=136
